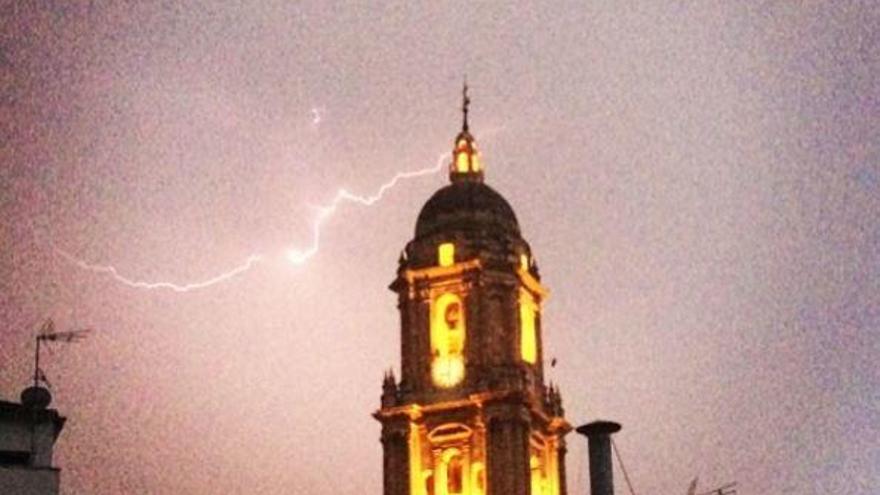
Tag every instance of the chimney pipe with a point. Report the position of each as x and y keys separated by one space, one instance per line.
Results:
x=598 y=435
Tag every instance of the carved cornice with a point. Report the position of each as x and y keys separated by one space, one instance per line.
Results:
x=532 y=284
x=435 y=272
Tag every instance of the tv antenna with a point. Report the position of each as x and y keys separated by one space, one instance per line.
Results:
x=48 y=334
x=725 y=489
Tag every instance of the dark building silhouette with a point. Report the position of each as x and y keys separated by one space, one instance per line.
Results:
x=27 y=439
x=471 y=413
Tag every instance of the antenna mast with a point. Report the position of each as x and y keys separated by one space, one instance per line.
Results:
x=48 y=333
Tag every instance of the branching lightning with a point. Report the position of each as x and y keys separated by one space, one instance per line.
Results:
x=297 y=257
x=324 y=212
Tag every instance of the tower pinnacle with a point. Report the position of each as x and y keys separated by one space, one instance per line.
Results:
x=466 y=165
x=471 y=414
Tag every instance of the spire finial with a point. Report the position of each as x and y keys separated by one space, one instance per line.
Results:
x=465 y=164
x=464 y=105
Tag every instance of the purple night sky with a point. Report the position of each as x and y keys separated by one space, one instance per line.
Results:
x=700 y=185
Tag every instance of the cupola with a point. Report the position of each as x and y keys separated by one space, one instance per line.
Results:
x=466 y=165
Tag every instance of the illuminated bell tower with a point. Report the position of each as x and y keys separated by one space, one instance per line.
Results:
x=471 y=414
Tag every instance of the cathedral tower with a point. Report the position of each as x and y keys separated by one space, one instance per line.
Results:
x=471 y=414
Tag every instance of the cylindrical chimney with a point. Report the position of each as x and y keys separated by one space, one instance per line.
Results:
x=598 y=435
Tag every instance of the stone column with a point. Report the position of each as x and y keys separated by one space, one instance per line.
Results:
x=507 y=457
x=560 y=459
x=395 y=480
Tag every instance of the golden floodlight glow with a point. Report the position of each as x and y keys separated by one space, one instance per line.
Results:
x=528 y=339
x=478 y=478
x=536 y=478
x=446 y=254
x=461 y=163
x=475 y=162
x=544 y=469
x=467 y=159
x=447 y=340
x=454 y=472
x=447 y=371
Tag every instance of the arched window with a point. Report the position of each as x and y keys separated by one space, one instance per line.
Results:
x=447 y=340
x=528 y=334
x=449 y=475
x=461 y=162
x=454 y=475
x=446 y=254
x=429 y=484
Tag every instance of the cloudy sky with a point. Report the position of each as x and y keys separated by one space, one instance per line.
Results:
x=700 y=184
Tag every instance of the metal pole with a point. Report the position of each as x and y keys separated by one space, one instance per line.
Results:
x=598 y=434
x=37 y=363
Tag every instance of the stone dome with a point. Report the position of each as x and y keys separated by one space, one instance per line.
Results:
x=467 y=206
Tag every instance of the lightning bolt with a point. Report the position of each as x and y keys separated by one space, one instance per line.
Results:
x=137 y=284
x=297 y=257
